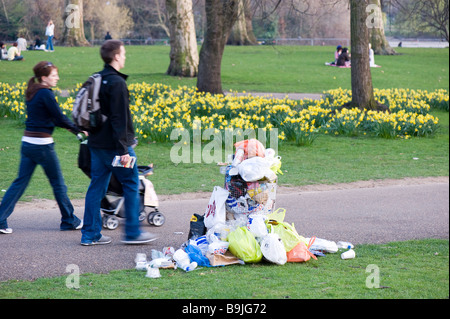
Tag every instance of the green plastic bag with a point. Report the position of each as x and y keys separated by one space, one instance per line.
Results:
x=244 y=246
x=287 y=233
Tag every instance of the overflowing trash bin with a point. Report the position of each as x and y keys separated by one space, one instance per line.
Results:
x=241 y=223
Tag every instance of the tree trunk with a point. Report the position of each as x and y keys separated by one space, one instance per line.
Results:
x=220 y=18
x=242 y=31
x=183 y=42
x=74 y=25
x=362 y=88
x=380 y=45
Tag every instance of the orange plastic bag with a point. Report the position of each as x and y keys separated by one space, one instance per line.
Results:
x=301 y=253
x=251 y=147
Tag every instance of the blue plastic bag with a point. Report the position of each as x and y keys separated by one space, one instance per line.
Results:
x=195 y=254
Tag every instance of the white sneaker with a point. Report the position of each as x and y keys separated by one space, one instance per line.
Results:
x=6 y=231
x=79 y=226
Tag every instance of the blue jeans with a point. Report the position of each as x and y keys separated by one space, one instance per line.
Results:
x=49 y=45
x=101 y=170
x=31 y=156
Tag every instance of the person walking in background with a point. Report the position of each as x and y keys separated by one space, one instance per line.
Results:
x=114 y=138
x=108 y=36
x=50 y=33
x=38 y=148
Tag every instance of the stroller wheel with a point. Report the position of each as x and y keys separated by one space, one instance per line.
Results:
x=156 y=219
x=111 y=222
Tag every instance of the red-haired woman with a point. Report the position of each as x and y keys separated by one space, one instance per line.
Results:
x=43 y=115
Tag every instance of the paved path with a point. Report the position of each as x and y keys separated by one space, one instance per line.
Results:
x=364 y=212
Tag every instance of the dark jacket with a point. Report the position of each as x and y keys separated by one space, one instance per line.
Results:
x=344 y=57
x=44 y=113
x=117 y=133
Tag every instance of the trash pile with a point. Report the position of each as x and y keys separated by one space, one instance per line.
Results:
x=240 y=224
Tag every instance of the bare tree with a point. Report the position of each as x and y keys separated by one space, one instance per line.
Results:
x=113 y=17
x=429 y=14
x=183 y=42
x=434 y=14
x=220 y=18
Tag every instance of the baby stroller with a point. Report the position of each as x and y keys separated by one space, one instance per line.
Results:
x=112 y=205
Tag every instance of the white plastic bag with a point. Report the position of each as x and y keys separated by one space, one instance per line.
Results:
x=218 y=247
x=215 y=212
x=256 y=224
x=324 y=245
x=255 y=169
x=273 y=250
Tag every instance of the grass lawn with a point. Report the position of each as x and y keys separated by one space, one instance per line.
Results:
x=407 y=270
x=284 y=69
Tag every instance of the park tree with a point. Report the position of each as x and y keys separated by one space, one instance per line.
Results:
x=242 y=31
x=184 y=57
x=380 y=44
x=113 y=17
x=73 y=35
x=362 y=87
x=220 y=18
x=431 y=16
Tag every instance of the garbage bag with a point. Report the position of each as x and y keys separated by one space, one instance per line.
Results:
x=324 y=245
x=273 y=250
x=277 y=215
x=195 y=255
x=256 y=168
x=244 y=246
x=287 y=233
x=256 y=225
x=197 y=226
x=215 y=212
x=301 y=253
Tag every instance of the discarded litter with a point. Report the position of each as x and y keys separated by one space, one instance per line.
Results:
x=349 y=254
x=241 y=223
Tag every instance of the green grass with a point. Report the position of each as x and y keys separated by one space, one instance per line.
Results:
x=408 y=270
x=284 y=69
x=328 y=160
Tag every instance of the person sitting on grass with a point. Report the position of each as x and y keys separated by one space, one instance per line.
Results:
x=14 y=53
x=344 y=58
x=3 y=51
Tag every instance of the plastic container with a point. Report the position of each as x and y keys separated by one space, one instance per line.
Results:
x=349 y=254
x=344 y=245
x=153 y=273
x=183 y=261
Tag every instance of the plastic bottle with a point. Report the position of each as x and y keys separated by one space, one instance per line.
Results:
x=183 y=261
x=344 y=245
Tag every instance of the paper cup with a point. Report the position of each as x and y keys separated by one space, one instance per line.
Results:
x=153 y=273
x=350 y=254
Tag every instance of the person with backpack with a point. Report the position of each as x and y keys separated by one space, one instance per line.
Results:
x=113 y=137
x=38 y=148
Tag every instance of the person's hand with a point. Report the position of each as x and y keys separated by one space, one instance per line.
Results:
x=125 y=159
